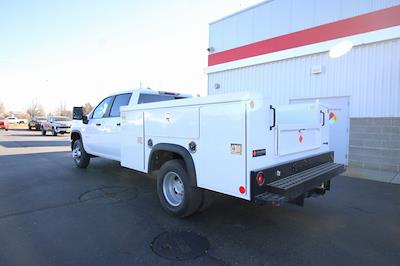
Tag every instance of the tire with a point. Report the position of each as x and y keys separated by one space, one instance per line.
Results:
x=174 y=190
x=43 y=132
x=53 y=131
x=30 y=128
x=81 y=158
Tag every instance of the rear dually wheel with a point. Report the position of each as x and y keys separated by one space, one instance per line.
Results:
x=174 y=190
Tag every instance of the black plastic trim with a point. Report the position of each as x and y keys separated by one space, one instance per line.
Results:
x=295 y=185
x=281 y=171
x=183 y=152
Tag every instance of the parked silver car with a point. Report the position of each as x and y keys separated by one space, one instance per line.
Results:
x=56 y=125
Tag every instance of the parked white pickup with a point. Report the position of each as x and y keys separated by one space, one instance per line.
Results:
x=16 y=120
x=241 y=145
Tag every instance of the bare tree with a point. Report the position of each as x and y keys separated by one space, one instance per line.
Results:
x=35 y=109
x=87 y=108
x=62 y=110
x=2 y=109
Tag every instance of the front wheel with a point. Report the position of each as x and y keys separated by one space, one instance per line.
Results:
x=81 y=158
x=54 y=132
x=174 y=190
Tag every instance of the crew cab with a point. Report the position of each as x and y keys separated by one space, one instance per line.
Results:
x=242 y=145
x=56 y=125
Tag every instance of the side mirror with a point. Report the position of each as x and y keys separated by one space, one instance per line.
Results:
x=85 y=119
x=77 y=113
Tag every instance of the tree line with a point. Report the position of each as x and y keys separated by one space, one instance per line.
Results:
x=35 y=109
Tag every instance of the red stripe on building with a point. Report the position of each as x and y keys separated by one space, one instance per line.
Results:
x=377 y=20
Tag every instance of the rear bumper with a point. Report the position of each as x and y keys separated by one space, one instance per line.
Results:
x=296 y=180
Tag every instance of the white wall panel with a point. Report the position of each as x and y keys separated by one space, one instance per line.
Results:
x=369 y=74
x=279 y=17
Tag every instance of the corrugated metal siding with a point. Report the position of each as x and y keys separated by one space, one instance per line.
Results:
x=281 y=17
x=369 y=74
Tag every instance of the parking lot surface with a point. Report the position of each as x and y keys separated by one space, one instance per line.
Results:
x=52 y=213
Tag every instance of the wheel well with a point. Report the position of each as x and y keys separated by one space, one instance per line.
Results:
x=74 y=137
x=164 y=152
x=158 y=158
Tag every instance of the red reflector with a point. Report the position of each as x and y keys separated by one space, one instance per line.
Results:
x=242 y=189
x=260 y=178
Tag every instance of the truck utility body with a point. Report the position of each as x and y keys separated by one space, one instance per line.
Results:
x=241 y=145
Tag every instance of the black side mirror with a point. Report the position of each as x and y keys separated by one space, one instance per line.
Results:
x=77 y=113
x=85 y=119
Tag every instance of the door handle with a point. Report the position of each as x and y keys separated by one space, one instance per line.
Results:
x=274 y=119
x=98 y=124
x=323 y=117
x=118 y=124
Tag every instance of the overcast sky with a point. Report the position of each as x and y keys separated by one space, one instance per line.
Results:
x=74 y=52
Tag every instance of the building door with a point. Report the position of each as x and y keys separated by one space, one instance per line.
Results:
x=338 y=119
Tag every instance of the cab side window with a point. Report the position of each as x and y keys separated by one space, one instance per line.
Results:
x=120 y=100
x=102 y=108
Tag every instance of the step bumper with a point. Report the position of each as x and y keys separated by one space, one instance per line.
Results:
x=312 y=175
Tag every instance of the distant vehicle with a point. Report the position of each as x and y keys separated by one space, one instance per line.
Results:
x=36 y=123
x=56 y=125
x=16 y=120
x=3 y=124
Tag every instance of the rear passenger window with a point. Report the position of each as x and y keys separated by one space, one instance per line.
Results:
x=120 y=100
x=150 y=98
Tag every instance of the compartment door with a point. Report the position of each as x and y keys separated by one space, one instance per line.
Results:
x=294 y=139
x=132 y=140
x=218 y=167
x=298 y=128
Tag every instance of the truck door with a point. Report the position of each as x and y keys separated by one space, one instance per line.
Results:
x=112 y=126
x=93 y=135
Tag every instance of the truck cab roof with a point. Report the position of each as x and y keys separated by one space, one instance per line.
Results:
x=151 y=91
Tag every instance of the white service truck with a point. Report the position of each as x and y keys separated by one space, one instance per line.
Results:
x=241 y=145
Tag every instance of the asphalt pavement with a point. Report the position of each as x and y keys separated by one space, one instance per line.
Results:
x=52 y=213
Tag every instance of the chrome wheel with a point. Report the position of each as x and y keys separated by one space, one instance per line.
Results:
x=77 y=154
x=173 y=189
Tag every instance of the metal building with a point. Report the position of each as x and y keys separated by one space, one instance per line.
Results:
x=281 y=48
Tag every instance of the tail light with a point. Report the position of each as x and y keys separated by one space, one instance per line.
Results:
x=260 y=179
